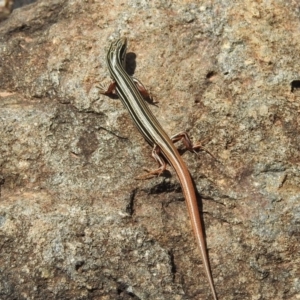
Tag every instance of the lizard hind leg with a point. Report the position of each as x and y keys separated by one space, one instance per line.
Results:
x=188 y=143
x=156 y=154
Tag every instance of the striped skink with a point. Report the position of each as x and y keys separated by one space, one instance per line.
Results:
x=130 y=92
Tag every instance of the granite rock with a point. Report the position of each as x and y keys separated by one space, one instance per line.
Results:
x=74 y=221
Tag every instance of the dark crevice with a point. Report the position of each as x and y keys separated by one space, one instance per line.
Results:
x=295 y=84
x=210 y=74
x=130 y=206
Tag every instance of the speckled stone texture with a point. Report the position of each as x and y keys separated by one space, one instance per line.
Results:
x=74 y=221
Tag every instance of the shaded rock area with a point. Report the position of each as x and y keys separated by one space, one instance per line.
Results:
x=20 y=3
x=74 y=221
x=6 y=7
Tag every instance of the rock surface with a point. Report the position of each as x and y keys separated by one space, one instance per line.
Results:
x=74 y=222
